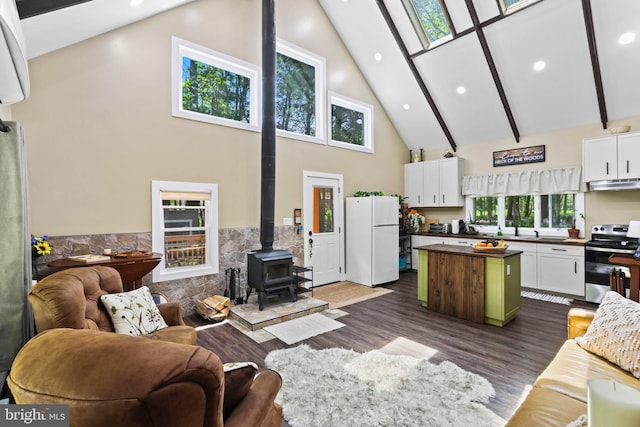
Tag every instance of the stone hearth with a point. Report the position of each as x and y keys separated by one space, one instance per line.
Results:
x=277 y=308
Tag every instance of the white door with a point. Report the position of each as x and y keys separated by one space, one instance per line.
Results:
x=322 y=225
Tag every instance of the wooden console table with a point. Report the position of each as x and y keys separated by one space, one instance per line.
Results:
x=634 y=270
x=131 y=270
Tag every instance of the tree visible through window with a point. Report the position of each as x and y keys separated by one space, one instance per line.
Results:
x=347 y=125
x=432 y=18
x=295 y=96
x=216 y=92
x=209 y=86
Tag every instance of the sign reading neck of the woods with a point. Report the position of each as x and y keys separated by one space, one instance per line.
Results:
x=519 y=156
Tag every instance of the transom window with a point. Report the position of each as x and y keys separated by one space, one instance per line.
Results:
x=185 y=229
x=300 y=88
x=550 y=214
x=428 y=17
x=351 y=123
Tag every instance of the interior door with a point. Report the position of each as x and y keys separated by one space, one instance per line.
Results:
x=322 y=219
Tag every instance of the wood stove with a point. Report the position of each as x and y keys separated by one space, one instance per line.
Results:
x=270 y=272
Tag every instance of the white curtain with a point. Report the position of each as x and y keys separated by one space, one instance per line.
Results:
x=16 y=320
x=546 y=181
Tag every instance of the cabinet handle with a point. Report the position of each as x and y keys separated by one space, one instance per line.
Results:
x=627 y=166
x=607 y=168
x=434 y=199
x=558 y=250
x=443 y=199
x=418 y=200
x=575 y=267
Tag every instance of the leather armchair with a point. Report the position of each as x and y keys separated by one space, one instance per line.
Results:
x=71 y=299
x=119 y=380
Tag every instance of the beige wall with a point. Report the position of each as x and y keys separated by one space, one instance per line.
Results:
x=99 y=128
x=563 y=148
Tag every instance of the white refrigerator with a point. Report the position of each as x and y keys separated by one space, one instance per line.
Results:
x=372 y=231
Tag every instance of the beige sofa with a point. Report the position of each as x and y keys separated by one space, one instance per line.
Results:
x=559 y=395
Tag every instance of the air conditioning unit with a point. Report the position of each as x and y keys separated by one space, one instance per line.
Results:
x=14 y=73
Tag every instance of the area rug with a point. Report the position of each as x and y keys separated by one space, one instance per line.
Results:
x=302 y=328
x=346 y=293
x=339 y=387
x=546 y=297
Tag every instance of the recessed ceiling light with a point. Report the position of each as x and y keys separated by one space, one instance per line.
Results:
x=461 y=90
x=539 y=65
x=377 y=56
x=406 y=106
x=627 y=38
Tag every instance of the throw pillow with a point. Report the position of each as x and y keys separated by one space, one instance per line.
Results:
x=614 y=332
x=238 y=378
x=134 y=312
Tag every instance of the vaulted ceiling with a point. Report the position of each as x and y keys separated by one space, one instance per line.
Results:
x=579 y=85
x=589 y=76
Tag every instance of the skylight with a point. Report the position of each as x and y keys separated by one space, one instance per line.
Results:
x=428 y=16
x=513 y=5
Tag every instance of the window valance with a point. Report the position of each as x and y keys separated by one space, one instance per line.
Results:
x=546 y=181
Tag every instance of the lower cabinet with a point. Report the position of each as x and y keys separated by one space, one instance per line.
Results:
x=561 y=269
x=528 y=263
x=422 y=241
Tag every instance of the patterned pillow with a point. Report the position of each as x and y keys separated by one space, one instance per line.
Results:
x=614 y=332
x=134 y=312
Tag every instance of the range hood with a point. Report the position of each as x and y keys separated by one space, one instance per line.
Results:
x=615 y=185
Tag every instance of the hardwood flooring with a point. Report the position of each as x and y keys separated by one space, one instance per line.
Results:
x=511 y=357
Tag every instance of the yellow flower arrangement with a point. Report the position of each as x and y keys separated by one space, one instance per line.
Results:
x=40 y=246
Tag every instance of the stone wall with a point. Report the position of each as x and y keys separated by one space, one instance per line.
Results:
x=234 y=243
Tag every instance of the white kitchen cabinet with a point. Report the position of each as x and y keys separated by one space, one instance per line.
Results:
x=611 y=157
x=561 y=269
x=422 y=241
x=434 y=183
x=528 y=263
x=459 y=241
x=413 y=178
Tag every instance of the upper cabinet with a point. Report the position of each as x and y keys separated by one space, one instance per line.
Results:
x=611 y=157
x=434 y=183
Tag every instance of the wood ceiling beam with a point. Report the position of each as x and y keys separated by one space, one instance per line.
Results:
x=595 y=62
x=492 y=67
x=416 y=73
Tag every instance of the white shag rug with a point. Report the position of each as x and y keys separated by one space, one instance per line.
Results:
x=339 y=387
x=302 y=328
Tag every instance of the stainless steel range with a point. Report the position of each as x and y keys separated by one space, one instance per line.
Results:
x=606 y=240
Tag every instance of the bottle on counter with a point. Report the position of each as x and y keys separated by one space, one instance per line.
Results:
x=499 y=231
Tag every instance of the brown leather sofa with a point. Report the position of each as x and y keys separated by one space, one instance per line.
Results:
x=559 y=394
x=71 y=299
x=121 y=380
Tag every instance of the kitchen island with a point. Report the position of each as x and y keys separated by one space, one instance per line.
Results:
x=483 y=287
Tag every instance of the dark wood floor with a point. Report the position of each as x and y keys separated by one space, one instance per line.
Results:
x=510 y=357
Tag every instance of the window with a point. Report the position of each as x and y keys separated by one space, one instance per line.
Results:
x=185 y=229
x=513 y=5
x=429 y=18
x=212 y=87
x=351 y=123
x=323 y=210
x=299 y=93
x=548 y=214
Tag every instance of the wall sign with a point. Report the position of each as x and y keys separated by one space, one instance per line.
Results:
x=519 y=156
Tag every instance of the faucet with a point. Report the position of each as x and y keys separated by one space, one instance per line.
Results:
x=515 y=225
x=536 y=231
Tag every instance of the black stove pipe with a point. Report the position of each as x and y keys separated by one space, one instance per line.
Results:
x=268 y=180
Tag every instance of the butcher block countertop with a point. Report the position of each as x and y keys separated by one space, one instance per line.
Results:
x=468 y=251
x=510 y=238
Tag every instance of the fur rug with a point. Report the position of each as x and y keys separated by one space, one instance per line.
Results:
x=338 y=387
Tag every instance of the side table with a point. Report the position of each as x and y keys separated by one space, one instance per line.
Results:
x=131 y=270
